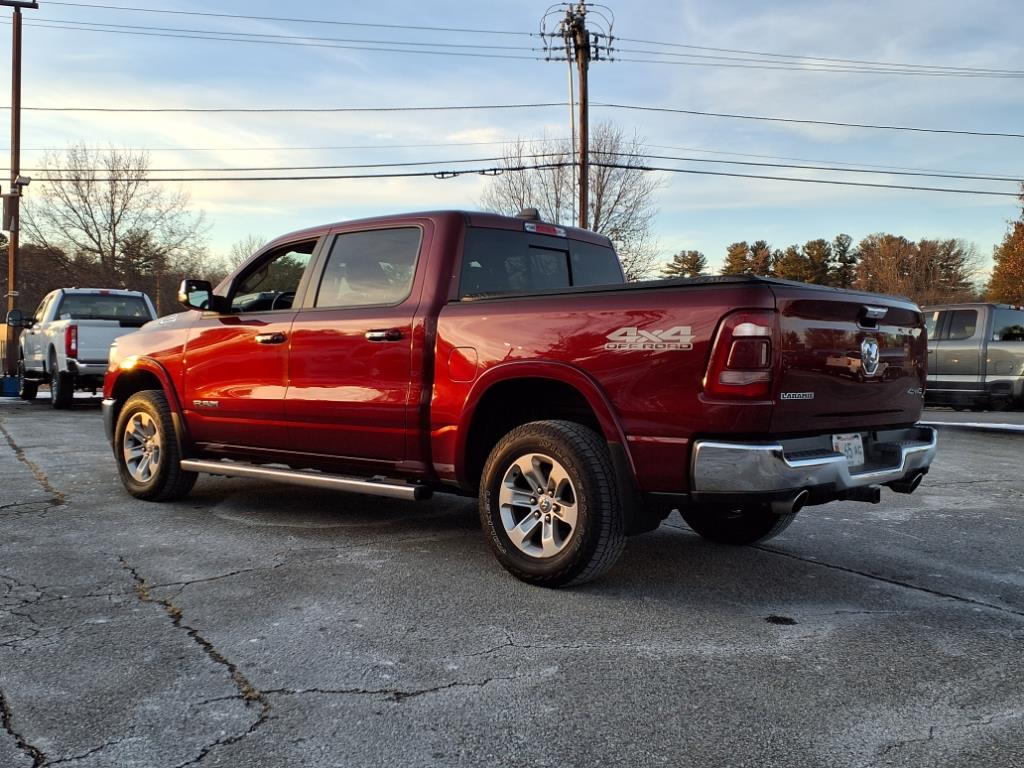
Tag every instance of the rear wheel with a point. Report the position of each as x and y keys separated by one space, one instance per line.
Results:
x=550 y=504
x=146 y=449
x=27 y=390
x=744 y=525
x=62 y=385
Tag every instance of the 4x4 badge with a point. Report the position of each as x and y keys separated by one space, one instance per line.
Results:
x=679 y=337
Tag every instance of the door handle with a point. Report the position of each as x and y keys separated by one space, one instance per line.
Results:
x=384 y=334
x=270 y=338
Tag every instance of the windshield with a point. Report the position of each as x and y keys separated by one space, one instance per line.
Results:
x=95 y=306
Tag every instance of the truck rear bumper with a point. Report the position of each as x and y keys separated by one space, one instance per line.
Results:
x=88 y=368
x=728 y=468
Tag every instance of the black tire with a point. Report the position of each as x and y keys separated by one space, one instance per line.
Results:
x=597 y=537
x=745 y=525
x=62 y=386
x=27 y=390
x=166 y=480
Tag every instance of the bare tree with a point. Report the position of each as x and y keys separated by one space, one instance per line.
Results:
x=242 y=249
x=99 y=208
x=621 y=203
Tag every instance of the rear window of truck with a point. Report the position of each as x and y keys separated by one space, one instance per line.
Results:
x=98 y=306
x=498 y=261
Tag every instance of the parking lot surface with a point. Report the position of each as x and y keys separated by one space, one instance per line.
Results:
x=260 y=625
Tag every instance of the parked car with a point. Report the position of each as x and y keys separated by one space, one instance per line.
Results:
x=507 y=358
x=65 y=343
x=976 y=354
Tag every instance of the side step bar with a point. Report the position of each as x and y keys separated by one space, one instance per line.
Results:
x=371 y=486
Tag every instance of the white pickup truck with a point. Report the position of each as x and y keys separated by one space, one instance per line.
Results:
x=66 y=342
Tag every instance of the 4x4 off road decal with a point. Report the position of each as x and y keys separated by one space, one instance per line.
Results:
x=632 y=338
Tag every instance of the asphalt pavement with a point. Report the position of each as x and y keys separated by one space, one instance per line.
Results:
x=260 y=625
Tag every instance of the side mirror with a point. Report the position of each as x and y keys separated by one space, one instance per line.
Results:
x=197 y=294
x=16 y=319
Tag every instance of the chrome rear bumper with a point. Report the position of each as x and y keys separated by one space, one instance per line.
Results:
x=801 y=463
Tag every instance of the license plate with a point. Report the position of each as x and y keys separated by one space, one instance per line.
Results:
x=851 y=446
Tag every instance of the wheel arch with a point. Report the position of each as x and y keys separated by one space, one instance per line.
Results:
x=144 y=374
x=512 y=394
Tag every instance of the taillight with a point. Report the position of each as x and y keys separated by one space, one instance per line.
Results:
x=741 y=359
x=71 y=341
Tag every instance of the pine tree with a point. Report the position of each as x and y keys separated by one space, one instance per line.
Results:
x=761 y=261
x=737 y=259
x=686 y=264
x=844 y=266
x=791 y=264
x=820 y=260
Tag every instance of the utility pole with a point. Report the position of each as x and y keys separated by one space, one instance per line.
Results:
x=18 y=182
x=582 y=46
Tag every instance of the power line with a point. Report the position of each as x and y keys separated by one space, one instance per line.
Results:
x=831 y=123
x=307 y=149
x=535 y=156
x=838 y=182
x=282 y=42
x=364 y=147
x=480 y=107
x=712 y=60
x=301 y=110
x=783 y=67
x=299 y=38
x=901 y=65
x=292 y=20
x=494 y=170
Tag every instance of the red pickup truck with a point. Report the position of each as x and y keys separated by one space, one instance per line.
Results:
x=507 y=358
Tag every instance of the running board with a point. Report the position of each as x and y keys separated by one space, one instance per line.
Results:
x=371 y=486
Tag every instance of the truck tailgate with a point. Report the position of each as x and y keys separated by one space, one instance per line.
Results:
x=95 y=336
x=848 y=361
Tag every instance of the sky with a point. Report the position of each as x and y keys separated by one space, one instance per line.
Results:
x=101 y=67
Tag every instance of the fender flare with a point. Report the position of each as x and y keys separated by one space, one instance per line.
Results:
x=556 y=371
x=151 y=366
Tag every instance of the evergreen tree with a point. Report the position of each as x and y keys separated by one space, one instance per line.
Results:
x=820 y=260
x=737 y=259
x=791 y=264
x=686 y=264
x=761 y=261
x=844 y=265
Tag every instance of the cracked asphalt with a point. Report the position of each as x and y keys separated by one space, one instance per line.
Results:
x=259 y=625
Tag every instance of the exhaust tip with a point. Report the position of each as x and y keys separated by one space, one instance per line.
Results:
x=791 y=505
x=908 y=485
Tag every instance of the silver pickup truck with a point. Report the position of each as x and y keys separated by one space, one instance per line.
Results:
x=65 y=343
x=975 y=355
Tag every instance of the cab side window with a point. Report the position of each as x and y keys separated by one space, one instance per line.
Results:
x=962 y=324
x=271 y=283
x=372 y=268
x=933 y=322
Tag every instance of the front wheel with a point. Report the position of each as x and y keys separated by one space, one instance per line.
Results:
x=550 y=504
x=146 y=449
x=744 y=525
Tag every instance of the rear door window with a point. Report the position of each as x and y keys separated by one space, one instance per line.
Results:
x=369 y=268
x=1008 y=325
x=962 y=324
